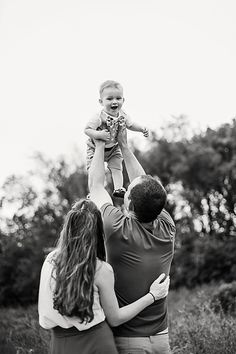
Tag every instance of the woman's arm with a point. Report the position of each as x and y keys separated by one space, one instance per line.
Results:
x=115 y=315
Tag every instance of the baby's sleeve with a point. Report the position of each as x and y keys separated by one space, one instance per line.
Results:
x=94 y=122
x=128 y=120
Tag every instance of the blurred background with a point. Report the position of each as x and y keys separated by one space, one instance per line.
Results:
x=176 y=62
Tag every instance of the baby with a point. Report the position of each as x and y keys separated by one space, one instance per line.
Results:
x=105 y=126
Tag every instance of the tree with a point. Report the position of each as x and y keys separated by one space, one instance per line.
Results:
x=199 y=174
x=38 y=204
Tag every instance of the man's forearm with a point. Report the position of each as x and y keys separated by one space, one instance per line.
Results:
x=133 y=167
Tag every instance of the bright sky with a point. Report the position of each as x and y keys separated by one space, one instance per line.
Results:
x=172 y=57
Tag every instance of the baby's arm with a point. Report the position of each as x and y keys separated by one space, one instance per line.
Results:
x=97 y=134
x=138 y=128
x=93 y=133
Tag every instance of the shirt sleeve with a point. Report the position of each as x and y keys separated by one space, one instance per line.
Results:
x=128 y=120
x=165 y=225
x=112 y=219
x=94 y=122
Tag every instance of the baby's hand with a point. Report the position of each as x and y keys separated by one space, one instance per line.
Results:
x=145 y=132
x=104 y=135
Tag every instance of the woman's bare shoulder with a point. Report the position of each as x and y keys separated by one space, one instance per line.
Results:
x=103 y=270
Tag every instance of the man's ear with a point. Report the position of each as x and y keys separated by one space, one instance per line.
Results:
x=130 y=210
x=131 y=205
x=100 y=101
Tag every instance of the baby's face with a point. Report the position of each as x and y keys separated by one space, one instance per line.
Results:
x=112 y=100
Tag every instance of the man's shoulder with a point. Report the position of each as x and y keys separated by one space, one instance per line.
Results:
x=113 y=218
x=108 y=207
x=164 y=225
x=165 y=216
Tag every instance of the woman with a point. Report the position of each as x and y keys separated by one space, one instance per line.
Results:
x=76 y=290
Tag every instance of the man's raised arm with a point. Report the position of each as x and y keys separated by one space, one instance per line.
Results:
x=133 y=167
x=96 y=177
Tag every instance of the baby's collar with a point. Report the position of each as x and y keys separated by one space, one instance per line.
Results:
x=107 y=115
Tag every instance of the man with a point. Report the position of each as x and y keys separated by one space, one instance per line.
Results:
x=140 y=246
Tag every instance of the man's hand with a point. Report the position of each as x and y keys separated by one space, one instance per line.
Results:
x=158 y=289
x=104 y=135
x=99 y=142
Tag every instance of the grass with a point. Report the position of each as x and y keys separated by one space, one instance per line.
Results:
x=20 y=332
x=194 y=327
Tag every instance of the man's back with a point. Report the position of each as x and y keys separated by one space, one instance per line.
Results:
x=138 y=256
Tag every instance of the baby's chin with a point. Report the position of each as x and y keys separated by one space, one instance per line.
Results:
x=113 y=112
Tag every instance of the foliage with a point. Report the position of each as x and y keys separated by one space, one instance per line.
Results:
x=19 y=272
x=202 y=260
x=199 y=173
x=35 y=225
x=193 y=326
x=206 y=167
x=20 y=332
x=224 y=298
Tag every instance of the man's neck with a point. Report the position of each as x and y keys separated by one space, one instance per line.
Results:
x=147 y=225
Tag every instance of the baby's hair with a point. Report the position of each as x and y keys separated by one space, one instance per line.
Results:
x=109 y=83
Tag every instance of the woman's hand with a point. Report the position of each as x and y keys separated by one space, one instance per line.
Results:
x=159 y=288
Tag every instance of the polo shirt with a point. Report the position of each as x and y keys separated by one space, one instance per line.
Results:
x=138 y=256
x=48 y=316
x=99 y=122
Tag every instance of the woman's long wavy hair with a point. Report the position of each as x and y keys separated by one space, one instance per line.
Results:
x=81 y=242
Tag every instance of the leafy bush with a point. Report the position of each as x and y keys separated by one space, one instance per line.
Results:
x=202 y=260
x=195 y=328
x=20 y=332
x=19 y=274
x=224 y=298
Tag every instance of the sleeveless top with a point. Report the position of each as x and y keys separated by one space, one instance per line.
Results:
x=48 y=316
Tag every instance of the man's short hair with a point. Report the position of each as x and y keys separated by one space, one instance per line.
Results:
x=148 y=198
x=109 y=83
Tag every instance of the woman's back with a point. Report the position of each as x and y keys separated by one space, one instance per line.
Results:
x=48 y=316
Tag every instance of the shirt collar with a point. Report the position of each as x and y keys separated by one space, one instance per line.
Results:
x=105 y=114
